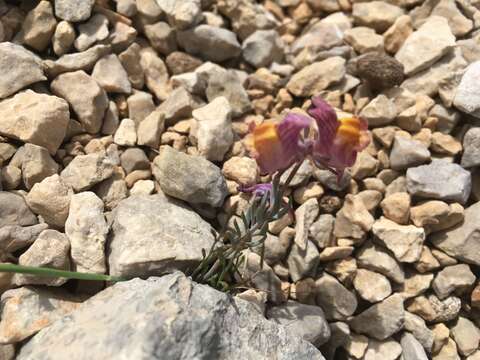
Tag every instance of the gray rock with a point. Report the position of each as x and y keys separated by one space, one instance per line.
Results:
x=50 y=199
x=466 y=97
x=450 y=183
x=130 y=60
x=162 y=37
x=471 y=148
x=453 y=278
x=182 y=15
x=321 y=231
x=178 y=105
x=173 y=170
x=416 y=325
x=26 y=310
x=84 y=171
x=15 y=237
x=411 y=348
x=24 y=68
x=38 y=27
x=232 y=328
x=51 y=249
x=173 y=234
x=150 y=130
x=140 y=105
x=321 y=36
x=262 y=48
x=228 y=85
x=305 y=215
x=303 y=260
x=305 y=321
x=111 y=75
x=381 y=320
x=466 y=335
x=113 y=190
x=87 y=230
x=37 y=164
x=407 y=153
x=335 y=299
x=375 y=258
x=48 y=118
x=209 y=42
x=77 y=61
x=214 y=129
x=7 y=352
x=426 y=45
x=380 y=111
x=371 y=286
x=87 y=98
x=73 y=10
x=95 y=29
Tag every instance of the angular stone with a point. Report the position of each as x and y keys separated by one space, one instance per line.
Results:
x=212 y=43
x=459 y=24
x=381 y=320
x=404 y=241
x=466 y=335
x=451 y=183
x=305 y=321
x=162 y=37
x=243 y=170
x=214 y=129
x=378 y=15
x=385 y=350
x=130 y=60
x=37 y=164
x=356 y=345
x=303 y=261
x=87 y=98
x=156 y=304
x=336 y=300
x=51 y=249
x=453 y=278
x=396 y=34
x=87 y=230
x=50 y=199
x=411 y=348
x=126 y=135
x=317 y=77
x=140 y=105
x=417 y=327
x=24 y=69
x=16 y=237
x=426 y=45
x=38 y=27
x=432 y=309
x=95 y=29
x=396 y=207
x=150 y=130
x=227 y=84
x=466 y=97
x=262 y=48
x=321 y=231
x=305 y=215
x=178 y=106
x=111 y=76
x=63 y=38
x=471 y=145
x=84 y=171
x=374 y=258
x=447 y=352
x=183 y=14
x=35 y=118
x=380 y=111
x=407 y=153
x=155 y=73
x=364 y=40
x=353 y=220
x=173 y=170
x=73 y=11
x=371 y=286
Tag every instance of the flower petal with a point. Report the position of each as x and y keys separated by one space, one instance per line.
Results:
x=257 y=190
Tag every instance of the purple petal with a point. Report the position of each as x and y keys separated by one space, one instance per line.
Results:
x=257 y=190
x=327 y=122
x=289 y=130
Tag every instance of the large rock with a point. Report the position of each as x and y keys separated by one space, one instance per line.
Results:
x=334 y=298
x=467 y=98
x=88 y=100
x=73 y=10
x=156 y=313
x=87 y=231
x=190 y=178
x=212 y=43
x=462 y=242
x=24 y=68
x=37 y=164
x=426 y=45
x=262 y=48
x=453 y=278
x=407 y=153
x=153 y=235
x=35 y=118
x=450 y=183
x=16 y=237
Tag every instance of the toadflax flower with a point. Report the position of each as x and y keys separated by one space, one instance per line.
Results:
x=338 y=140
x=276 y=146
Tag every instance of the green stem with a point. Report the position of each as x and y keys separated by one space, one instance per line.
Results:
x=49 y=272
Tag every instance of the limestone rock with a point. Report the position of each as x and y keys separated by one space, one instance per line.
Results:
x=466 y=336
x=471 y=145
x=453 y=278
x=14 y=210
x=466 y=96
x=364 y=39
x=378 y=15
x=111 y=76
x=426 y=45
x=385 y=350
x=371 y=286
x=87 y=98
x=63 y=37
x=24 y=69
x=262 y=48
x=91 y=31
x=87 y=230
x=336 y=300
x=173 y=170
x=72 y=10
x=15 y=237
x=374 y=258
x=411 y=348
x=35 y=118
x=380 y=111
x=407 y=153
x=381 y=320
x=50 y=199
x=37 y=164
x=156 y=304
x=243 y=170
x=303 y=261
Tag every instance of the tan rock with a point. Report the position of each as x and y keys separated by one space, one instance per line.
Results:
x=354 y=219
x=364 y=39
x=427 y=261
x=445 y=144
x=312 y=190
x=243 y=170
x=441 y=336
x=396 y=34
x=371 y=286
x=396 y=207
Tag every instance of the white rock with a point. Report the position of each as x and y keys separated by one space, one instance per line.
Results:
x=467 y=96
x=126 y=134
x=111 y=75
x=371 y=286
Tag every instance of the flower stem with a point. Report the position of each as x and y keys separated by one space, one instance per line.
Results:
x=49 y=272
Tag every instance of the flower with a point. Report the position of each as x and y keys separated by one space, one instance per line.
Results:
x=257 y=189
x=338 y=140
x=277 y=145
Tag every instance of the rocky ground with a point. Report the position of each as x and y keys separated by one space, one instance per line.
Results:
x=122 y=128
